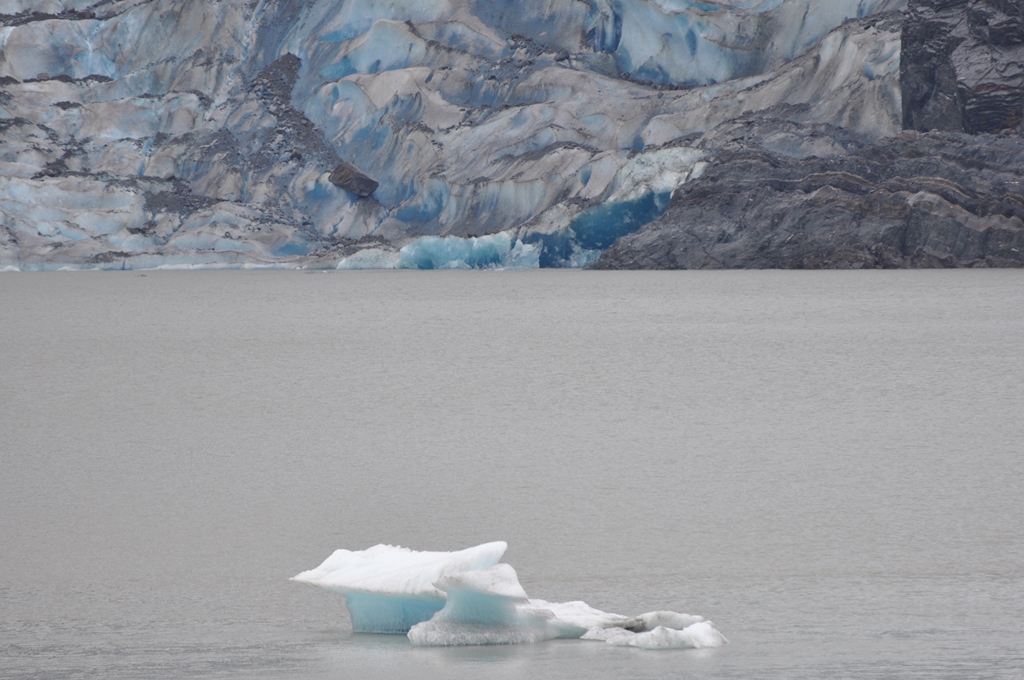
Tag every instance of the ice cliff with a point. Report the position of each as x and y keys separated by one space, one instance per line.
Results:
x=417 y=133
x=470 y=597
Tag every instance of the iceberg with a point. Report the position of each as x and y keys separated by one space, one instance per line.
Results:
x=389 y=588
x=470 y=597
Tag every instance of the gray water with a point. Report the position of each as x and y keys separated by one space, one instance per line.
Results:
x=827 y=465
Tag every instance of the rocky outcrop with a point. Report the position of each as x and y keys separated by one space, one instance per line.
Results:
x=963 y=65
x=351 y=179
x=915 y=201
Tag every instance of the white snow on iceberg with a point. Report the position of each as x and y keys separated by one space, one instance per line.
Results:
x=469 y=597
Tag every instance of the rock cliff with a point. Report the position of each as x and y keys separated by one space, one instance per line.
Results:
x=919 y=200
x=963 y=65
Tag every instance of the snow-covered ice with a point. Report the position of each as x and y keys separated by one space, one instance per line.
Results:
x=469 y=597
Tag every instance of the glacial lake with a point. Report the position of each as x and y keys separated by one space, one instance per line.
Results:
x=827 y=465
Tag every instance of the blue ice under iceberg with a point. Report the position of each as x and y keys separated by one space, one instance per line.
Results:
x=469 y=597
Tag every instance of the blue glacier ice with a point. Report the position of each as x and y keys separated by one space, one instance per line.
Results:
x=138 y=134
x=388 y=589
x=494 y=251
x=470 y=597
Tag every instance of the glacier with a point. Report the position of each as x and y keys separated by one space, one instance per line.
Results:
x=470 y=597
x=494 y=251
x=139 y=134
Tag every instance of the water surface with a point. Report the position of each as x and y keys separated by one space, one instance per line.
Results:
x=825 y=464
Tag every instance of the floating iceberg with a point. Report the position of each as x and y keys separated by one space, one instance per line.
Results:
x=469 y=597
x=388 y=589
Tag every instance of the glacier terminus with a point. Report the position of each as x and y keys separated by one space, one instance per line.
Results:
x=476 y=134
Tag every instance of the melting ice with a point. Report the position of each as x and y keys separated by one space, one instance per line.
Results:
x=470 y=597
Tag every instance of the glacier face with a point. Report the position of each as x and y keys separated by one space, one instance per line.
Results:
x=470 y=597
x=139 y=133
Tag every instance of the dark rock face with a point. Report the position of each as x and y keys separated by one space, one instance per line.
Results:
x=953 y=197
x=349 y=178
x=962 y=66
x=296 y=135
x=917 y=201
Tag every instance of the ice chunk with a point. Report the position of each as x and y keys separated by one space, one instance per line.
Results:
x=701 y=635
x=482 y=609
x=469 y=598
x=573 y=619
x=490 y=607
x=389 y=589
x=652 y=620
